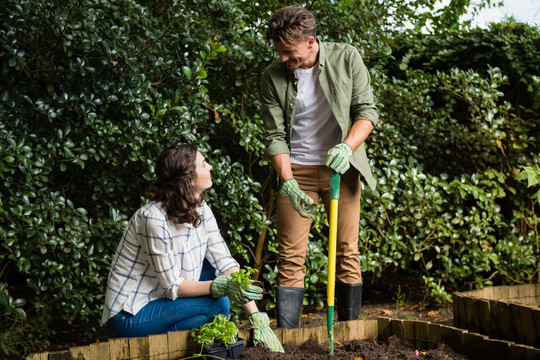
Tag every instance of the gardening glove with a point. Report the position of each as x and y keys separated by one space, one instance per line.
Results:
x=223 y=286
x=262 y=334
x=338 y=158
x=300 y=201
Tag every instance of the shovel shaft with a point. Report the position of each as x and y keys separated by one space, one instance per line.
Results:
x=332 y=240
x=330 y=323
x=335 y=179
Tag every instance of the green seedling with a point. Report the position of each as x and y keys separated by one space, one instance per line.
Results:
x=399 y=298
x=243 y=277
x=219 y=330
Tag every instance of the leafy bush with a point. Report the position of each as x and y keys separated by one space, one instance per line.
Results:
x=446 y=156
x=532 y=175
x=91 y=91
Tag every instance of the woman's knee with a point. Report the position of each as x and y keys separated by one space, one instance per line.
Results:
x=222 y=305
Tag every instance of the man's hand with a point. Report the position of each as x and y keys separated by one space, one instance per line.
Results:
x=262 y=334
x=338 y=158
x=223 y=286
x=300 y=201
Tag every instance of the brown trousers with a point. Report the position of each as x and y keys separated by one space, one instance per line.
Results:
x=293 y=230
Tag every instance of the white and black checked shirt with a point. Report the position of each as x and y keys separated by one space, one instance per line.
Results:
x=155 y=255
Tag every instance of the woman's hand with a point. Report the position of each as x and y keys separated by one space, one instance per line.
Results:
x=224 y=286
x=262 y=334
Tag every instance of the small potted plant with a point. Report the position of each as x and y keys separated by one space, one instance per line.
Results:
x=219 y=338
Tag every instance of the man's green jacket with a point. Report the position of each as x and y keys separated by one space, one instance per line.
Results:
x=346 y=83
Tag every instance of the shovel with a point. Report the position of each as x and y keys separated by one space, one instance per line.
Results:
x=332 y=238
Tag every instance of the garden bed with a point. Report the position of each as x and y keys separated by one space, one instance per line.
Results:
x=392 y=349
x=414 y=335
x=483 y=320
x=502 y=312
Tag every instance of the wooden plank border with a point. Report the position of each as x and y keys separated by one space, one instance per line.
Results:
x=420 y=334
x=179 y=344
x=476 y=345
x=502 y=312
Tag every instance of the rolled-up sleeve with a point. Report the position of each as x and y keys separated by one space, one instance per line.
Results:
x=362 y=105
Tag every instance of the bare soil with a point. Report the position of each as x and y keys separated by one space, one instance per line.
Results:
x=380 y=299
x=393 y=349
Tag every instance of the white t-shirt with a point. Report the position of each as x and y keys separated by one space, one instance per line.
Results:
x=315 y=129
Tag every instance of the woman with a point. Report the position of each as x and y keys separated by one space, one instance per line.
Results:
x=163 y=275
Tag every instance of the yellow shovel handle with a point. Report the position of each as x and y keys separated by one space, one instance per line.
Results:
x=335 y=179
x=332 y=239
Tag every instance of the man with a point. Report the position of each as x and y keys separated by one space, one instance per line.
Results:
x=317 y=109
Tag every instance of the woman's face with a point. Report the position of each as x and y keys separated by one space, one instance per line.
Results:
x=203 y=180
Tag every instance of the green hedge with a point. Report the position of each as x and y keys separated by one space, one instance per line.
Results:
x=92 y=90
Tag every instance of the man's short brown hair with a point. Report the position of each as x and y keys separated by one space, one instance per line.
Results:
x=291 y=25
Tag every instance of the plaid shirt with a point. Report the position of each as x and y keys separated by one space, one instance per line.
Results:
x=155 y=255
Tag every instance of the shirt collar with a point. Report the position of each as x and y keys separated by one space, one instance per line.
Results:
x=322 y=53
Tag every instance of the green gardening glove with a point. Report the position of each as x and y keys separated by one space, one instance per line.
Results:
x=262 y=334
x=338 y=158
x=300 y=201
x=223 y=286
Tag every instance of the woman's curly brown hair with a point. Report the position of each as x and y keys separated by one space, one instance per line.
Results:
x=176 y=170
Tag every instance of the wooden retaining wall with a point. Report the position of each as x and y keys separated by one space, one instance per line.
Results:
x=426 y=335
x=178 y=344
x=502 y=312
x=493 y=323
x=417 y=334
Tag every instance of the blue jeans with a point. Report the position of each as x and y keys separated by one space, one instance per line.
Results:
x=163 y=315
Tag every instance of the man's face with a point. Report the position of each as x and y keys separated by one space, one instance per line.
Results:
x=299 y=55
